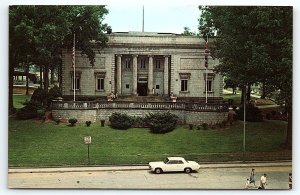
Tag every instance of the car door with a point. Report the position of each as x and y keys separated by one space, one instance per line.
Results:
x=172 y=165
x=180 y=165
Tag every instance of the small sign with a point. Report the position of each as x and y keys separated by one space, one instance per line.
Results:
x=87 y=139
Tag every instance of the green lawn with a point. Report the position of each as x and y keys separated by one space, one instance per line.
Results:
x=32 y=143
x=237 y=100
x=19 y=100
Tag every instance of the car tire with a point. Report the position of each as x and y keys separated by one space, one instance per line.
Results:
x=188 y=170
x=158 y=170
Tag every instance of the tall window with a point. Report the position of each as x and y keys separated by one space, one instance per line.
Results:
x=100 y=84
x=77 y=82
x=209 y=85
x=157 y=64
x=127 y=63
x=143 y=63
x=184 y=85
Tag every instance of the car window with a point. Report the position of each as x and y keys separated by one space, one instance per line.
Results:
x=172 y=162
x=166 y=160
x=180 y=162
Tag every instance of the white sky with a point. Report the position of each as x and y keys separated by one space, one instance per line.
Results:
x=157 y=18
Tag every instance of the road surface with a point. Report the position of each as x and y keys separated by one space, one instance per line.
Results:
x=205 y=178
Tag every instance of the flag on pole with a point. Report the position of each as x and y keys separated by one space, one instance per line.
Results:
x=73 y=53
x=206 y=54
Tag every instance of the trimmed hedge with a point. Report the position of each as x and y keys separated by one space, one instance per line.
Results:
x=120 y=121
x=161 y=122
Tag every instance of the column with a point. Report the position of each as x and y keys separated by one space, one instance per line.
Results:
x=119 y=74
x=134 y=75
x=150 y=75
x=166 y=75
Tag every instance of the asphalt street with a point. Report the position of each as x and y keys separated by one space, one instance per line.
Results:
x=220 y=176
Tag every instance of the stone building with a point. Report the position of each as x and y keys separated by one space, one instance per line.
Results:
x=144 y=64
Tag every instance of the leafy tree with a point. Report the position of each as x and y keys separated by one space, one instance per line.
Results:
x=43 y=31
x=254 y=44
x=187 y=31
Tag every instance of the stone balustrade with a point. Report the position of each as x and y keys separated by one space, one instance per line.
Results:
x=199 y=107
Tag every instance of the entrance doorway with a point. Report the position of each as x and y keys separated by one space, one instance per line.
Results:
x=142 y=89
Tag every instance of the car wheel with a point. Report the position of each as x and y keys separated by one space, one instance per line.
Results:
x=187 y=170
x=158 y=170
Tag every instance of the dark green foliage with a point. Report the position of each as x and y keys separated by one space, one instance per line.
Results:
x=253 y=114
x=205 y=126
x=191 y=126
x=72 y=121
x=53 y=93
x=88 y=123
x=57 y=121
x=39 y=95
x=161 y=122
x=32 y=109
x=120 y=121
x=139 y=121
x=198 y=127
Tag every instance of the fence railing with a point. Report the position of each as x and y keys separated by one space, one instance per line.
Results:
x=85 y=105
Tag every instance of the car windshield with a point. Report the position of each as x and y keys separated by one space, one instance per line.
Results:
x=166 y=160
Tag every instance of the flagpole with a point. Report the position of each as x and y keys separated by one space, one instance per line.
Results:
x=74 y=74
x=206 y=65
x=143 y=21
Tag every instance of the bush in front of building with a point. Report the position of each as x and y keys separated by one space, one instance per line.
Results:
x=32 y=109
x=253 y=114
x=39 y=95
x=120 y=121
x=72 y=121
x=53 y=93
x=161 y=122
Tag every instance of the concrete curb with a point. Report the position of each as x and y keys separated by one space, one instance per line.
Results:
x=142 y=167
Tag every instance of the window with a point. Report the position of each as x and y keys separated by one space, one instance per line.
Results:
x=157 y=64
x=100 y=84
x=127 y=63
x=143 y=64
x=209 y=85
x=127 y=86
x=77 y=82
x=184 y=85
x=157 y=86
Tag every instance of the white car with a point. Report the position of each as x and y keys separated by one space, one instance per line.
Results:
x=174 y=164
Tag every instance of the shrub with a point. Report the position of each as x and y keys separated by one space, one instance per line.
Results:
x=138 y=121
x=57 y=121
x=39 y=95
x=88 y=123
x=161 y=122
x=268 y=116
x=253 y=114
x=198 y=127
x=120 y=121
x=32 y=109
x=191 y=126
x=204 y=126
x=53 y=93
x=72 y=121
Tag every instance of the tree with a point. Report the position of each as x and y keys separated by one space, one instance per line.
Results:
x=187 y=32
x=43 y=31
x=254 y=44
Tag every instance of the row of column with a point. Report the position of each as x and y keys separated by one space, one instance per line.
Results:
x=134 y=77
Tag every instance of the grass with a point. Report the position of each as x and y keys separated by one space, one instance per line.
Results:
x=36 y=144
x=19 y=100
x=237 y=100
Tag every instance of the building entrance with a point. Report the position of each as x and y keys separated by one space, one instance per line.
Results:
x=142 y=89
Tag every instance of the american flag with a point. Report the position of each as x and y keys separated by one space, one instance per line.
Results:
x=73 y=53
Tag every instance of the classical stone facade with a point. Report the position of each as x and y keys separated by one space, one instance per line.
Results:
x=144 y=64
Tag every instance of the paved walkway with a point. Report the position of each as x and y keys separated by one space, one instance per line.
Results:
x=145 y=167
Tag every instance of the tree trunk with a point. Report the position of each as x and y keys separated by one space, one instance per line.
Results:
x=27 y=82
x=11 y=108
x=41 y=76
x=59 y=68
x=248 y=93
x=46 y=77
x=52 y=75
x=288 y=141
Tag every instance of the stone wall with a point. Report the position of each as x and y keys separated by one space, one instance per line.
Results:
x=95 y=115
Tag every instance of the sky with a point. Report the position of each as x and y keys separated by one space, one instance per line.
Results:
x=157 y=18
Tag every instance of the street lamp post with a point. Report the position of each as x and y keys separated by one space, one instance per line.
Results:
x=244 y=138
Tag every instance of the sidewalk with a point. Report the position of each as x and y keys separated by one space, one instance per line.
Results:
x=145 y=167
